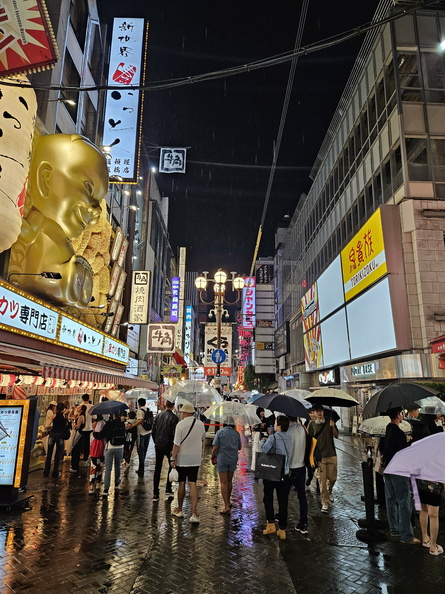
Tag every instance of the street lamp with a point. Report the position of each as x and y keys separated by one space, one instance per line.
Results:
x=219 y=289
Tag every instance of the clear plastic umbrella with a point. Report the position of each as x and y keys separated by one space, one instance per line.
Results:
x=432 y=405
x=198 y=393
x=142 y=393
x=376 y=426
x=297 y=393
x=233 y=412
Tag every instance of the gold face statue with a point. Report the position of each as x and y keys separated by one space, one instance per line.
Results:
x=67 y=180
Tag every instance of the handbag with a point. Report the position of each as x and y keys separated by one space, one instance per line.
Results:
x=429 y=487
x=269 y=465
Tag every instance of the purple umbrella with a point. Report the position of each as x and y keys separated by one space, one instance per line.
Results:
x=423 y=459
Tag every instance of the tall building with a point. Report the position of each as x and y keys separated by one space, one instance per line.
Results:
x=362 y=263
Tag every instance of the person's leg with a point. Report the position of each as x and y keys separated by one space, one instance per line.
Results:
x=405 y=505
x=118 y=454
x=331 y=473
x=75 y=455
x=181 y=495
x=193 y=498
x=299 y=476
x=93 y=470
x=58 y=457
x=86 y=444
x=433 y=513
x=142 y=450
x=49 y=454
x=268 y=489
x=392 y=510
x=99 y=470
x=283 y=488
x=223 y=480
x=321 y=476
x=108 y=467
x=423 y=521
x=230 y=474
x=157 y=472
x=168 y=485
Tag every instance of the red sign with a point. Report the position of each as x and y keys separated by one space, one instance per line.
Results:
x=438 y=347
x=223 y=371
x=29 y=47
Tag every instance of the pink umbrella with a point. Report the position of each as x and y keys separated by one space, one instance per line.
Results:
x=424 y=459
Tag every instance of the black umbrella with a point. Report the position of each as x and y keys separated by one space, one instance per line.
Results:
x=331 y=414
x=283 y=404
x=393 y=395
x=107 y=408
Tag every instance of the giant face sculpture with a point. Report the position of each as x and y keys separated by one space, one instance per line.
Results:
x=68 y=178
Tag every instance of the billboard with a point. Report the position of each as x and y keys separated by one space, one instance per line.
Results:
x=122 y=104
x=309 y=308
x=140 y=297
x=174 y=304
x=211 y=343
x=248 y=303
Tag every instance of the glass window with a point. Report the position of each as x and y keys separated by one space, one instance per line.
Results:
x=433 y=72
x=372 y=112
x=396 y=167
x=438 y=158
x=387 y=185
x=364 y=126
x=89 y=119
x=70 y=78
x=369 y=201
x=408 y=70
x=390 y=81
x=417 y=154
x=380 y=97
x=378 y=194
x=79 y=20
x=361 y=210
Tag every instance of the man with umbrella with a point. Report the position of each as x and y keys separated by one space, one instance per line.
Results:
x=397 y=488
x=419 y=429
x=324 y=430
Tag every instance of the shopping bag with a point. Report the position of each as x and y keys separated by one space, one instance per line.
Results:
x=269 y=466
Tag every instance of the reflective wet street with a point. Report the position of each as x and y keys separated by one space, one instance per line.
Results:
x=72 y=542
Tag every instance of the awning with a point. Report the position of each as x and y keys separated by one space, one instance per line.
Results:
x=179 y=359
x=71 y=369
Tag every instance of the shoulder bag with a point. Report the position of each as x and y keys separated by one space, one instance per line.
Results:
x=269 y=465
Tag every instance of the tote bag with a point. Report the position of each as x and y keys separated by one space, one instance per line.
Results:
x=269 y=466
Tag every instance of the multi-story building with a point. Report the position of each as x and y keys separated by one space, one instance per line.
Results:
x=364 y=251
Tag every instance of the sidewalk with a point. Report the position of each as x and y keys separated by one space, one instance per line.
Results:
x=71 y=542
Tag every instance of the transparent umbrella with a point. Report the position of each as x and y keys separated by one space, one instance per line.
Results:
x=233 y=412
x=376 y=426
x=142 y=393
x=432 y=405
x=297 y=393
x=198 y=393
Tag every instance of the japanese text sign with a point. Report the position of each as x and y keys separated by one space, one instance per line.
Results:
x=116 y=350
x=13 y=425
x=211 y=343
x=174 y=306
x=161 y=338
x=140 y=294
x=121 y=119
x=364 y=259
x=80 y=336
x=248 y=303
x=23 y=314
x=172 y=160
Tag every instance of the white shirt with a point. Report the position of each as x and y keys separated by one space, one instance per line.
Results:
x=298 y=436
x=140 y=414
x=88 y=419
x=190 y=451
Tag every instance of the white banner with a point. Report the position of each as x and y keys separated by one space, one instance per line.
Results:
x=172 y=160
x=121 y=119
x=140 y=296
x=211 y=343
x=161 y=338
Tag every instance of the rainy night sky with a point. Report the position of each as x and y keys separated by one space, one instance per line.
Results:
x=231 y=124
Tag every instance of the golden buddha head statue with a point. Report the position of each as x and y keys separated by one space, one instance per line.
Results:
x=67 y=180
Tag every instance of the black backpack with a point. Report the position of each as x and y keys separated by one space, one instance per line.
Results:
x=147 y=423
x=118 y=434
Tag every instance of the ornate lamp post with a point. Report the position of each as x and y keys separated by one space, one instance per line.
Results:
x=219 y=289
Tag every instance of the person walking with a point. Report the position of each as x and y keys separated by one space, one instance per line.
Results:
x=324 y=430
x=187 y=457
x=163 y=434
x=97 y=448
x=297 y=468
x=226 y=445
x=77 y=442
x=397 y=488
x=115 y=436
x=50 y=413
x=281 y=443
x=56 y=436
x=144 y=424
x=87 y=429
x=430 y=494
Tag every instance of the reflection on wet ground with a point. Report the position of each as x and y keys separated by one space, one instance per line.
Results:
x=72 y=542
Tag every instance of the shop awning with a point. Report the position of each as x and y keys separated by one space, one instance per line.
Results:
x=438 y=345
x=54 y=366
x=179 y=359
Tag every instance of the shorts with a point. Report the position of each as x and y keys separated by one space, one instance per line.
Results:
x=187 y=472
x=226 y=466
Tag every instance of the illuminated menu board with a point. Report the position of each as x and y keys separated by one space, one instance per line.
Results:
x=13 y=423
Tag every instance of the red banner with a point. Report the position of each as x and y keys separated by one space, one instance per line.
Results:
x=223 y=371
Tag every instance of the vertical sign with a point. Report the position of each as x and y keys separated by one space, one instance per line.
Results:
x=174 y=306
x=140 y=295
x=180 y=324
x=122 y=104
x=211 y=343
x=188 y=333
x=248 y=308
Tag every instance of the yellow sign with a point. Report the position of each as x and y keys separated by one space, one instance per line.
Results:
x=363 y=260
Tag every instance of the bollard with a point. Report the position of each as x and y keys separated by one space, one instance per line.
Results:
x=370 y=533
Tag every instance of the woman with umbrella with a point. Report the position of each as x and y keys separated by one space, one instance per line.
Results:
x=226 y=446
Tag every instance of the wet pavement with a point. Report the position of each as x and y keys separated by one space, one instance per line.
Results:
x=72 y=542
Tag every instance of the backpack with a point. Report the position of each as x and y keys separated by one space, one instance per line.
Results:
x=147 y=423
x=118 y=434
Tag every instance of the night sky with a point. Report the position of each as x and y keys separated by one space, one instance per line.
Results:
x=231 y=124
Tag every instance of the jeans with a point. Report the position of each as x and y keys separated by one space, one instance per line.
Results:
x=282 y=488
x=297 y=480
x=144 y=440
x=399 y=505
x=157 y=475
x=113 y=454
x=55 y=439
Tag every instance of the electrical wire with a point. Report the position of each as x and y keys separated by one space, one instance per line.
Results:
x=235 y=70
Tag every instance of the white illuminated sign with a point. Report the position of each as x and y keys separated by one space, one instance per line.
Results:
x=188 y=333
x=140 y=296
x=211 y=343
x=122 y=104
x=80 y=336
x=23 y=314
x=248 y=307
x=116 y=350
x=10 y=422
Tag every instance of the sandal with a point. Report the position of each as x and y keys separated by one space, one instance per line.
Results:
x=438 y=550
x=427 y=544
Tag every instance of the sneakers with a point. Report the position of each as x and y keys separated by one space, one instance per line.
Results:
x=155 y=498
x=301 y=528
x=177 y=513
x=325 y=508
x=194 y=519
x=169 y=495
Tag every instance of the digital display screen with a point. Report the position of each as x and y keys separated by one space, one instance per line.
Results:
x=11 y=446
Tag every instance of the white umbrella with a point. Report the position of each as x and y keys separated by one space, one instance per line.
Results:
x=377 y=426
x=142 y=393
x=297 y=393
x=432 y=405
x=198 y=393
x=233 y=412
x=332 y=397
